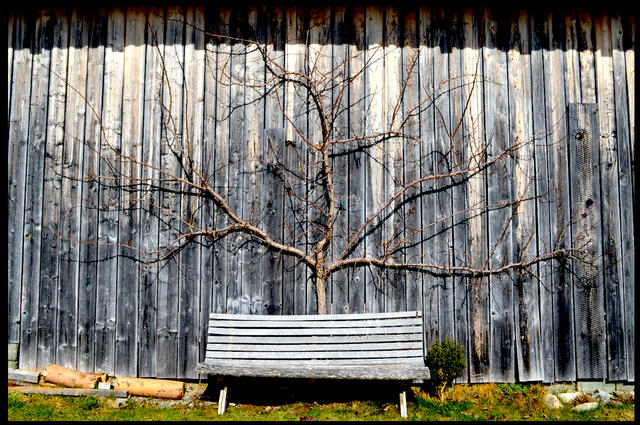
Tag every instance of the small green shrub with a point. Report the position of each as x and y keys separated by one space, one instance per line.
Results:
x=445 y=361
x=512 y=391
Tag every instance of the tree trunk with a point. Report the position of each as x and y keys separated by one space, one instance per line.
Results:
x=322 y=295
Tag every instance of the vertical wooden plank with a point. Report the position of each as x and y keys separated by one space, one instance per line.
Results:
x=620 y=352
x=572 y=57
x=441 y=157
x=208 y=283
x=272 y=196
x=251 y=301
x=411 y=155
x=290 y=59
x=610 y=176
x=460 y=231
x=109 y=194
x=191 y=206
x=126 y=343
x=273 y=153
x=305 y=287
x=340 y=279
x=629 y=284
x=557 y=178
x=357 y=169
x=250 y=140
x=272 y=143
x=149 y=229
x=236 y=155
x=42 y=33
x=585 y=51
x=499 y=139
x=217 y=74
x=87 y=285
x=474 y=126
x=49 y=261
x=374 y=125
x=20 y=81
x=14 y=294
x=172 y=143
x=543 y=235
x=526 y=298
x=609 y=172
x=429 y=48
x=70 y=212
x=295 y=274
x=395 y=288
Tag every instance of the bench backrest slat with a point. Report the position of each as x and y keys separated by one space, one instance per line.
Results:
x=343 y=363
x=302 y=324
x=296 y=332
x=316 y=318
x=261 y=348
x=314 y=355
x=344 y=339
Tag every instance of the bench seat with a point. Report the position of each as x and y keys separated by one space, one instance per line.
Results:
x=383 y=346
x=400 y=372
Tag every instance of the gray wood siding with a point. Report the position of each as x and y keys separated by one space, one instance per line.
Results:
x=85 y=81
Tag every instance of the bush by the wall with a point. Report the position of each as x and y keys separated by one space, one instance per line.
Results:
x=445 y=361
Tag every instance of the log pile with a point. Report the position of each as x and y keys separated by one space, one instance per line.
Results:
x=99 y=384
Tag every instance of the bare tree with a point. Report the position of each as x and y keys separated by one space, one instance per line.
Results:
x=327 y=118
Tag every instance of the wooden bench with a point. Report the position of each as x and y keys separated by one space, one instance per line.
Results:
x=381 y=346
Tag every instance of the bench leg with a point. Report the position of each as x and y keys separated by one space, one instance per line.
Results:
x=222 y=401
x=403 y=404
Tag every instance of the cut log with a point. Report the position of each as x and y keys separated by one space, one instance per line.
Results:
x=69 y=378
x=162 y=388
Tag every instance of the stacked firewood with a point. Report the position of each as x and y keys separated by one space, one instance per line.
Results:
x=78 y=383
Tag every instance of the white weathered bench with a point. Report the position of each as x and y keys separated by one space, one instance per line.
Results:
x=381 y=346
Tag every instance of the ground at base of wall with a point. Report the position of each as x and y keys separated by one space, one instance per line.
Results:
x=249 y=401
x=582 y=396
x=591 y=386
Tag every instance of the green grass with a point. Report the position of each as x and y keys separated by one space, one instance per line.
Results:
x=462 y=403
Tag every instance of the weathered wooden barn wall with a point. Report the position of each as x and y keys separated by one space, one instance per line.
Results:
x=90 y=307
